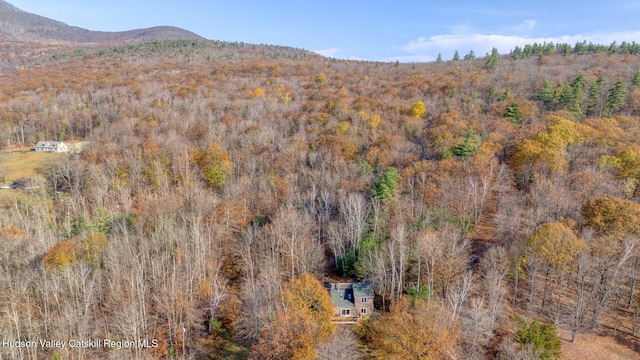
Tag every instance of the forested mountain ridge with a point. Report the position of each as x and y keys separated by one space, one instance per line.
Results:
x=18 y=25
x=218 y=175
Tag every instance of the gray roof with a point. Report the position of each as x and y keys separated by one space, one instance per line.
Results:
x=340 y=297
x=343 y=295
x=363 y=289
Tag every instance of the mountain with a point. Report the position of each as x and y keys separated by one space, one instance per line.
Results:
x=213 y=174
x=19 y=25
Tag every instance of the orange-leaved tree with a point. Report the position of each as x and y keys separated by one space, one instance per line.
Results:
x=63 y=254
x=304 y=322
x=418 y=329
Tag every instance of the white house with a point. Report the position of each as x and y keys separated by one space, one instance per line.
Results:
x=51 y=146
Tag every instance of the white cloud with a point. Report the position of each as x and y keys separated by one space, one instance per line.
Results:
x=529 y=24
x=481 y=44
x=327 y=52
x=525 y=26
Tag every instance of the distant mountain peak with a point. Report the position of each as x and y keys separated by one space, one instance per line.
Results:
x=19 y=25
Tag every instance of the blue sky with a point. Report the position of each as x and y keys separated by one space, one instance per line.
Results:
x=408 y=31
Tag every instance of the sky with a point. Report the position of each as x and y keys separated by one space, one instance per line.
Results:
x=400 y=30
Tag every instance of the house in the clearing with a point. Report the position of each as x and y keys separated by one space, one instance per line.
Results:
x=351 y=300
x=51 y=146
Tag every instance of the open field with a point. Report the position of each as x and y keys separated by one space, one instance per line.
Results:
x=15 y=165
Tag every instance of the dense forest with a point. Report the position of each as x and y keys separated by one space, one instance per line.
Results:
x=493 y=202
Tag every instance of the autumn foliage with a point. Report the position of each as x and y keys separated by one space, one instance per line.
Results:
x=63 y=254
x=304 y=322
x=412 y=330
x=215 y=182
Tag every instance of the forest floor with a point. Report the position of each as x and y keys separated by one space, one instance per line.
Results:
x=485 y=233
x=594 y=347
x=598 y=345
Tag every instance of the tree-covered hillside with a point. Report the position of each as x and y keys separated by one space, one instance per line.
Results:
x=489 y=200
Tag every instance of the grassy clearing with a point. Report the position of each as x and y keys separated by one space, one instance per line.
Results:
x=15 y=165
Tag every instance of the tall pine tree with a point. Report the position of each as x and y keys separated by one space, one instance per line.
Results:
x=578 y=85
x=594 y=96
x=492 y=60
x=617 y=97
x=547 y=94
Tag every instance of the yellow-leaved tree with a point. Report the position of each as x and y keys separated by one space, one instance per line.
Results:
x=418 y=109
x=556 y=243
x=321 y=78
x=531 y=156
x=613 y=216
x=626 y=166
x=560 y=132
x=545 y=153
x=93 y=246
x=557 y=246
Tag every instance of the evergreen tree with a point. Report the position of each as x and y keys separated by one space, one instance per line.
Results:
x=613 y=48
x=439 y=59
x=517 y=53
x=468 y=147
x=617 y=97
x=577 y=86
x=456 y=55
x=547 y=94
x=492 y=60
x=507 y=94
x=513 y=113
x=387 y=185
x=594 y=95
x=564 y=95
x=470 y=56
x=547 y=49
x=636 y=78
x=543 y=337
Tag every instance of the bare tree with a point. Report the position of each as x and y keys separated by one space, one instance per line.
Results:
x=579 y=302
x=459 y=295
x=477 y=326
x=292 y=231
x=343 y=345
x=396 y=251
x=609 y=271
x=494 y=269
x=354 y=210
